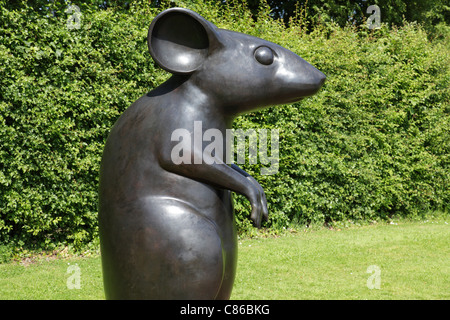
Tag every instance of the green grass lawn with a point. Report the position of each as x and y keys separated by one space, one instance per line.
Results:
x=412 y=259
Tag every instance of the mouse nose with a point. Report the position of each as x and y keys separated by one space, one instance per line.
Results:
x=319 y=78
x=312 y=83
x=322 y=78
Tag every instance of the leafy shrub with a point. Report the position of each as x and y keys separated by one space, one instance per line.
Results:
x=373 y=143
x=62 y=89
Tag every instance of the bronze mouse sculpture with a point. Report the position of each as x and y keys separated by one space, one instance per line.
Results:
x=167 y=229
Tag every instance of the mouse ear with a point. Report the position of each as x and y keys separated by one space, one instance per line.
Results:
x=179 y=40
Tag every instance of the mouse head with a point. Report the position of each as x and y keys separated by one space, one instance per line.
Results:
x=239 y=71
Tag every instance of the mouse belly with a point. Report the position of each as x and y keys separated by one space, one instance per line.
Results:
x=164 y=248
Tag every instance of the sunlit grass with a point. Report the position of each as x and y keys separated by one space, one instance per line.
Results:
x=413 y=259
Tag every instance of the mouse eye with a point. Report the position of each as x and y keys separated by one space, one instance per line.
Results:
x=264 y=55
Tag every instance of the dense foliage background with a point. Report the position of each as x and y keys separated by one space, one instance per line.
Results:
x=374 y=143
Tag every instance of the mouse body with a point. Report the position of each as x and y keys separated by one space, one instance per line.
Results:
x=167 y=229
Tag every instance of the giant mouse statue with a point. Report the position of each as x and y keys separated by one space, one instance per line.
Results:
x=167 y=230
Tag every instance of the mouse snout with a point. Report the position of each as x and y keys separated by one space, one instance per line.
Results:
x=297 y=77
x=309 y=79
x=317 y=79
x=320 y=78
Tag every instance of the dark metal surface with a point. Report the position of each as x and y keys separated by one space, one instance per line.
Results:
x=167 y=230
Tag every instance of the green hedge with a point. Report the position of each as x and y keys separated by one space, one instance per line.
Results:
x=373 y=143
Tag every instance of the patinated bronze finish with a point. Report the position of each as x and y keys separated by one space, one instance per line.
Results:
x=167 y=230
